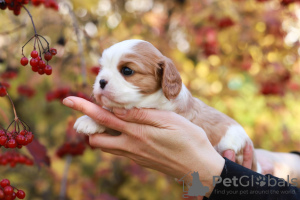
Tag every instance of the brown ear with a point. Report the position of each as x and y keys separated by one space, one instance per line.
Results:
x=171 y=81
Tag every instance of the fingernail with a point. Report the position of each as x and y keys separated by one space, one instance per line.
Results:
x=68 y=102
x=119 y=111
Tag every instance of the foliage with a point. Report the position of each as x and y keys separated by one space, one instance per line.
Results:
x=239 y=56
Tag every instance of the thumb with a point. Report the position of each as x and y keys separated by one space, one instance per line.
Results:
x=143 y=116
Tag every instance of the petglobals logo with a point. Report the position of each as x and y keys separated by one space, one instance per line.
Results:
x=261 y=181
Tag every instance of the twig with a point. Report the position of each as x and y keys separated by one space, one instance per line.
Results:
x=13 y=30
x=12 y=103
x=80 y=47
x=30 y=18
x=63 y=187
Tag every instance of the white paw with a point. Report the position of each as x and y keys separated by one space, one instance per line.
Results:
x=87 y=126
x=235 y=139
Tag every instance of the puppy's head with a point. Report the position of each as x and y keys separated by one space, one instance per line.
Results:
x=133 y=70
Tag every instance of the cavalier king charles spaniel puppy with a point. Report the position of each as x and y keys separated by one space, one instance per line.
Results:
x=135 y=74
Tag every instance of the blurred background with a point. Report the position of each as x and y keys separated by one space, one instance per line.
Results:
x=238 y=56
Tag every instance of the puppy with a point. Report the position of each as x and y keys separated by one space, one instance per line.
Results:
x=135 y=74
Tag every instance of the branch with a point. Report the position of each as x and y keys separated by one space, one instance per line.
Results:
x=13 y=30
x=30 y=18
x=80 y=47
x=63 y=187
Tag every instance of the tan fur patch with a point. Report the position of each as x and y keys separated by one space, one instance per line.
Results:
x=171 y=80
x=145 y=64
x=152 y=71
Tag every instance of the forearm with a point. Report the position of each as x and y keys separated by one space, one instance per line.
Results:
x=237 y=182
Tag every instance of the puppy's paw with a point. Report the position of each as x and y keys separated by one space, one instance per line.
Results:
x=87 y=126
x=236 y=139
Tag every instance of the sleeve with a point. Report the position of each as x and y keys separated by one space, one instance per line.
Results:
x=237 y=182
x=296 y=152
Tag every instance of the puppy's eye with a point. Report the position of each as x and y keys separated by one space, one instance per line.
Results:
x=126 y=71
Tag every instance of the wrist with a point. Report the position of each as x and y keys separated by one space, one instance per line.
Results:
x=208 y=163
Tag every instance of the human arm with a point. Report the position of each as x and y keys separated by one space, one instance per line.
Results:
x=243 y=183
x=160 y=140
x=281 y=165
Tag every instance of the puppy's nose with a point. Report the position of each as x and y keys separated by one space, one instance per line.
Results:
x=103 y=83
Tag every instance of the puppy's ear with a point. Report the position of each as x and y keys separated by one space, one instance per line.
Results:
x=171 y=82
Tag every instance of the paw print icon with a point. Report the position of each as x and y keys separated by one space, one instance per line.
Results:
x=261 y=181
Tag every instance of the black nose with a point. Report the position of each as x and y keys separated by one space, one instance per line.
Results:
x=103 y=83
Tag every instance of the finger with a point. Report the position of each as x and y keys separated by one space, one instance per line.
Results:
x=229 y=154
x=248 y=156
x=151 y=117
x=115 y=152
x=106 y=141
x=100 y=115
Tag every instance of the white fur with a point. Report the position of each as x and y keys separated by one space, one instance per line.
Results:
x=87 y=126
x=235 y=139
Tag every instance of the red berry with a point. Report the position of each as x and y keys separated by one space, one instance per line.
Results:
x=23 y=132
x=2 y=91
x=8 y=190
x=4 y=182
x=34 y=54
x=20 y=139
x=34 y=62
x=17 y=11
x=41 y=71
x=42 y=64
x=24 y=61
x=12 y=143
x=48 y=56
x=2 y=132
x=3 y=140
x=3 y=6
x=48 y=70
x=21 y=194
x=29 y=137
x=35 y=69
x=2 y=195
x=53 y=51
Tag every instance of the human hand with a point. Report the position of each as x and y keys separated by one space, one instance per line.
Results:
x=263 y=158
x=247 y=155
x=160 y=140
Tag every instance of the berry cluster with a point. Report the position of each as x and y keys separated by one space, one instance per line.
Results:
x=26 y=91
x=7 y=191
x=15 y=139
x=61 y=93
x=16 y=5
x=287 y=2
x=225 y=22
x=272 y=88
x=9 y=74
x=37 y=63
x=13 y=158
x=74 y=149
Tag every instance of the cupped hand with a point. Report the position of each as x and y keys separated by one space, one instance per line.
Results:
x=264 y=158
x=160 y=140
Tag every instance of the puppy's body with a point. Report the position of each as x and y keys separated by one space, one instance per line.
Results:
x=135 y=74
